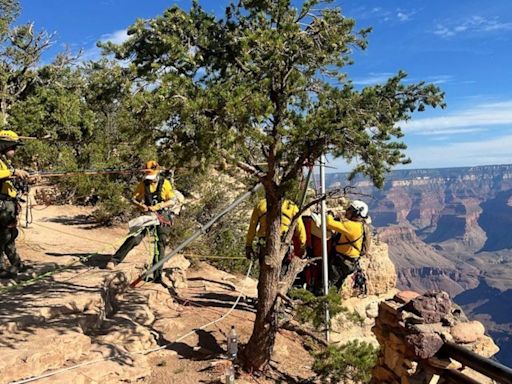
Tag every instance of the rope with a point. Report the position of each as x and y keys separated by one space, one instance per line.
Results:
x=72 y=234
x=146 y=352
x=52 y=272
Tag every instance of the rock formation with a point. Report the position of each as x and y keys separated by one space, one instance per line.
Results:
x=447 y=229
x=412 y=329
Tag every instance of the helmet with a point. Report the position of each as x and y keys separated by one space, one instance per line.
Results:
x=152 y=169
x=359 y=207
x=10 y=136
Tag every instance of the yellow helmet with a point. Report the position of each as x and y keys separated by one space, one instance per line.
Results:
x=7 y=135
x=152 y=170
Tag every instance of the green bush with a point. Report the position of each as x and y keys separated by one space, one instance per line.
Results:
x=353 y=361
x=312 y=308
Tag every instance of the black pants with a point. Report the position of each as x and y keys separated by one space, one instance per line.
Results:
x=339 y=268
x=9 y=233
x=131 y=242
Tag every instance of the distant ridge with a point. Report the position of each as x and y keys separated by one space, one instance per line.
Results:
x=409 y=174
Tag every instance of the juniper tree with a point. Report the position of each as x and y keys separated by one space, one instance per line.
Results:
x=20 y=50
x=266 y=83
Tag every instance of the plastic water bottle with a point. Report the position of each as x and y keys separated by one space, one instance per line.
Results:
x=232 y=343
x=230 y=374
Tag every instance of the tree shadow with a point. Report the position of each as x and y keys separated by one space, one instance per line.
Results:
x=64 y=307
x=88 y=259
x=208 y=347
x=85 y=221
x=226 y=285
x=219 y=300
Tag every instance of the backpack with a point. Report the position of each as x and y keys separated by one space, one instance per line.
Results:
x=367 y=240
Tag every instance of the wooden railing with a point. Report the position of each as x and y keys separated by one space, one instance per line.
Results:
x=487 y=367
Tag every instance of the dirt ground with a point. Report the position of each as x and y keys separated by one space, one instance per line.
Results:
x=61 y=321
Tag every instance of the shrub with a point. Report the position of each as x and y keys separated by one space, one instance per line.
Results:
x=312 y=308
x=353 y=361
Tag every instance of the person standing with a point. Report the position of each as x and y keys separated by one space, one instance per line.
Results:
x=153 y=194
x=350 y=242
x=9 y=204
x=258 y=228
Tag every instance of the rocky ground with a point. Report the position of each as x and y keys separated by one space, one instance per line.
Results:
x=77 y=316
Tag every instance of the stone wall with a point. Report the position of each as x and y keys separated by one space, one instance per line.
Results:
x=411 y=329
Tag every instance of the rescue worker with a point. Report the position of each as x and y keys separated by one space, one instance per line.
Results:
x=154 y=194
x=258 y=228
x=349 y=242
x=9 y=205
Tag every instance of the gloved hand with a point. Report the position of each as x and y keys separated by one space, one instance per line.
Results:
x=249 y=252
x=20 y=173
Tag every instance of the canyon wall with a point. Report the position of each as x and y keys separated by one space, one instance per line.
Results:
x=448 y=229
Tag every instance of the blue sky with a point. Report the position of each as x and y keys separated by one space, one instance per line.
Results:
x=462 y=46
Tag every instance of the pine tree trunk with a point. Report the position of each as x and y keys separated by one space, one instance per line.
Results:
x=258 y=350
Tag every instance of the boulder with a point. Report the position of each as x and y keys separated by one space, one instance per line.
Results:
x=467 y=332
x=432 y=307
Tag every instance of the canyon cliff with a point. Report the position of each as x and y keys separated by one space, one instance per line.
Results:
x=448 y=229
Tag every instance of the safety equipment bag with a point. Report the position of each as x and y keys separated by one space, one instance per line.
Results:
x=136 y=224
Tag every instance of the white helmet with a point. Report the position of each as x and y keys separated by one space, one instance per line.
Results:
x=360 y=207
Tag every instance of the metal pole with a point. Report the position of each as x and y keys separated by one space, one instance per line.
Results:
x=325 y=266
x=196 y=234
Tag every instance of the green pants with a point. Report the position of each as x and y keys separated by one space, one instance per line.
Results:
x=340 y=267
x=8 y=234
x=131 y=242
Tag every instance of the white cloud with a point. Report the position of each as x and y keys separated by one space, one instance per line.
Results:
x=449 y=154
x=443 y=150
x=116 y=37
x=383 y=14
x=439 y=79
x=450 y=131
x=473 y=24
x=482 y=115
x=461 y=154
x=374 y=78
x=403 y=16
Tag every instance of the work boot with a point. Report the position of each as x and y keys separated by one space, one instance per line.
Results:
x=7 y=274
x=111 y=266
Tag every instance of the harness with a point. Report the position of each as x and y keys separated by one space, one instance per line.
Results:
x=353 y=242
x=153 y=198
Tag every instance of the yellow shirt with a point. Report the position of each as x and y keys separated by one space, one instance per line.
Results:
x=167 y=192
x=351 y=239
x=5 y=173
x=258 y=224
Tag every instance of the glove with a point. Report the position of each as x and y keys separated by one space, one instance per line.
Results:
x=249 y=252
x=20 y=173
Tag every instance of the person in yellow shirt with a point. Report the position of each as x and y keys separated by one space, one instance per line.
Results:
x=349 y=241
x=154 y=194
x=9 y=206
x=258 y=227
